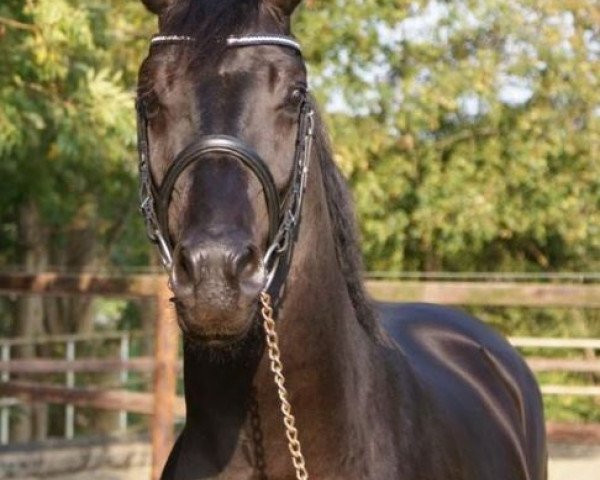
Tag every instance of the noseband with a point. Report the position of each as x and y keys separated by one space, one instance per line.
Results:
x=284 y=217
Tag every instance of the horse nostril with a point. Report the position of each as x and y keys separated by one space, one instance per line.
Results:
x=245 y=264
x=192 y=265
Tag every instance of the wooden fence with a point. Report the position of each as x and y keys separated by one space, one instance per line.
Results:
x=585 y=364
x=164 y=405
x=503 y=293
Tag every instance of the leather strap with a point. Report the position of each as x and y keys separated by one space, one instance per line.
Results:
x=226 y=145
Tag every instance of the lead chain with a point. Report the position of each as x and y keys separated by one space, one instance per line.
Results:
x=289 y=421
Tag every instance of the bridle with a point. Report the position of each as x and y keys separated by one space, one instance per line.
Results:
x=284 y=216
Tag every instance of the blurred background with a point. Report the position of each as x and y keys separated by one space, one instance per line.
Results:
x=469 y=132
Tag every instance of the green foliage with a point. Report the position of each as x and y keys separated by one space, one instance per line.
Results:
x=67 y=132
x=470 y=131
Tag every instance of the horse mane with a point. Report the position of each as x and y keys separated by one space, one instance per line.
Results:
x=345 y=232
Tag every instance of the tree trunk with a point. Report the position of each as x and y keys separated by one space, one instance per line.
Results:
x=80 y=253
x=32 y=421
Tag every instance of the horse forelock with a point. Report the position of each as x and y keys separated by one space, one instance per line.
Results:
x=209 y=22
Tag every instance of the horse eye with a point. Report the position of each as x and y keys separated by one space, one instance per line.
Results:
x=151 y=106
x=297 y=96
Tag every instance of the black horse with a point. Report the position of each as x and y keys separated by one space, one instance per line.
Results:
x=227 y=132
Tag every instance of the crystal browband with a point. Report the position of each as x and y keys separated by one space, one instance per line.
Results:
x=233 y=41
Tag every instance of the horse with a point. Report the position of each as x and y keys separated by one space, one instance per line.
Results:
x=289 y=368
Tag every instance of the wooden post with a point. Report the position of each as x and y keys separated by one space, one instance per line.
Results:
x=165 y=381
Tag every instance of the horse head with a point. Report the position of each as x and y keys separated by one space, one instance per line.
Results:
x=225 y=125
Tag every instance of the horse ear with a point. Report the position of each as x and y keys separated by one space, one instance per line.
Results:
x=157 y=6
x=286 y=6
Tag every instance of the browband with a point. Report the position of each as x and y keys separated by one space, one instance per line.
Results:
x=253 y=40
x=233 y=41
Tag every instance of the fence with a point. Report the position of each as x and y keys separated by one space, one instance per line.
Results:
x=497 y=293
x=163 y=404
x=570 y=365
x=70 y=366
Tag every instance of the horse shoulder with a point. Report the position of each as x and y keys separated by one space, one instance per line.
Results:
x=485 y=396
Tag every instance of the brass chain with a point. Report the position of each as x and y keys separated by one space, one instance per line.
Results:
x=289 y=421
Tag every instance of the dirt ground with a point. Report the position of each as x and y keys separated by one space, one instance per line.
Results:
x=567 y=462
x=131 y=461
x=574 y=462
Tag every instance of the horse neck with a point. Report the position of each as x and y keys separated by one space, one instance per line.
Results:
x=324 y=349
x=317 y=323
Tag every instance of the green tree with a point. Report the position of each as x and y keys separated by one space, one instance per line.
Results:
x=67 y=134
x=470 y=133
x=470 y=130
